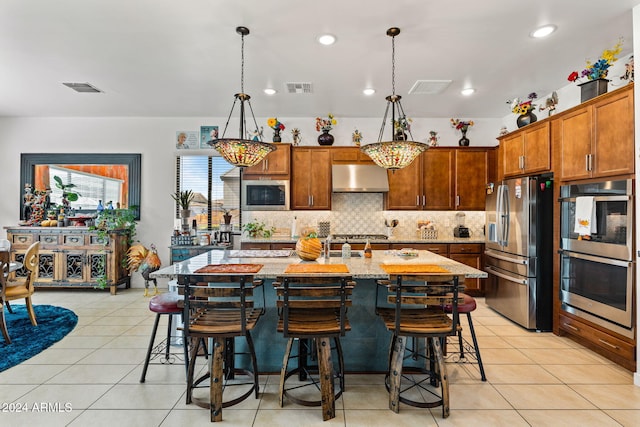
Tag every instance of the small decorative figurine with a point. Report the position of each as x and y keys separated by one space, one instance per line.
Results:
x=295 y=132
x=356 y=137
x=503 y=130
x=433 y=138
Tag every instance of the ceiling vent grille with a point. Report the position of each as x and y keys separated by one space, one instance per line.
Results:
x=83 y=87
x=299 y=87
x=429 y=87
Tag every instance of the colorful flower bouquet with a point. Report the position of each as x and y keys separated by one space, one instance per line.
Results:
x=461 y=125
x=274 y=124
x=600 y=68
x=325 y=125
x=523 y=107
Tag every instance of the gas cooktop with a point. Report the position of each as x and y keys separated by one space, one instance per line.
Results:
x=360 y=236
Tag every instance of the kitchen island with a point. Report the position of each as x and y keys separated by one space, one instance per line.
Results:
x=366 y=345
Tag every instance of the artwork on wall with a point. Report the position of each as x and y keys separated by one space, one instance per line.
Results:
x=187 y=140
x=207 y=133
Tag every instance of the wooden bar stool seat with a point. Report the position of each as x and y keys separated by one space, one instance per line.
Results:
x=465 y=349
x=221 y=308
x=313 y=310
x=414 y=314
x=166 y=304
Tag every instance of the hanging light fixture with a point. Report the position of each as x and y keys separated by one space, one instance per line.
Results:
x=242 y=151
x=400 y=151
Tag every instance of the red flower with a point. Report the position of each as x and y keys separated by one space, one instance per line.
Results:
x=573 y=76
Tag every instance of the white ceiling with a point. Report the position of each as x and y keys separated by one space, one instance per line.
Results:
x=182 y=58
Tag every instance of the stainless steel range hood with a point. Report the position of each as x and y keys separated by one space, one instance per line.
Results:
x=359 y=179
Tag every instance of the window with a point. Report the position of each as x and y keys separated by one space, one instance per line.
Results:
x=90 y=187
x=216 y=185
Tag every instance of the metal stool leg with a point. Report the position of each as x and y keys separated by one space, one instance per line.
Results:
x=475 y=345
x=153 y=336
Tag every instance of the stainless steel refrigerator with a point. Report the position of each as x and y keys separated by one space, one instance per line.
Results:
x=518 y=249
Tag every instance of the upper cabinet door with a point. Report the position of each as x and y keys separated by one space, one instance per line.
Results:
x=405 y=187
x=527 y=150
x=472 y=175
x=614 y=138
x=572 y=136
x=276 y=163
x=438 y=172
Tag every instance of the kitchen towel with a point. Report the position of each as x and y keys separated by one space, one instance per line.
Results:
x=585 y=223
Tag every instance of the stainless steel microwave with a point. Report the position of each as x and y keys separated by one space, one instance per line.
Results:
x=265 y=195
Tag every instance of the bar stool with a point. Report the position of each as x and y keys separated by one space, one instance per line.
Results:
x=166 y=304
x=416 y=312
x=466 y=306
x=313 y=309
x=220 y=308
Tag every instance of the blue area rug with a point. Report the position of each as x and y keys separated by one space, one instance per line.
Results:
x=28 y=340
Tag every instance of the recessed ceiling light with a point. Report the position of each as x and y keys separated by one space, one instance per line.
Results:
x=270 y=91
x=327 y=39
x=369 y=91
x=467 y=91
x=543 y=31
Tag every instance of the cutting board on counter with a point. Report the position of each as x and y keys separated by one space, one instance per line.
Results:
x=230 y=268
x=316 y=268
x=412 y=268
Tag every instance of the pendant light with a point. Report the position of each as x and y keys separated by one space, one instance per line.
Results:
x=242 y=152
x=400 y=151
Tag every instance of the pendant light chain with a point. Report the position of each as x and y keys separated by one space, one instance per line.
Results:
x=393 y=65
x=242 y=65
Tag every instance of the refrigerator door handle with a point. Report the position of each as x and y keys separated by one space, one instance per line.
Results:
x=507 y=277
x=495 y=255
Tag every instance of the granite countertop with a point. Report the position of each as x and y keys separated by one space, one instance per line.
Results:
x=359 y=267
x=446 y=239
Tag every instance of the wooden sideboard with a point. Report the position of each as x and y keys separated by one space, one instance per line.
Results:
x=74 y=257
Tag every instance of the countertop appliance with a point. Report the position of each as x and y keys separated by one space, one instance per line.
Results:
x=518 y=249
x=460 y=230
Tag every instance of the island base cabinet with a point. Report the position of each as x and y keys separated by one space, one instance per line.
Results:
x=74 y=258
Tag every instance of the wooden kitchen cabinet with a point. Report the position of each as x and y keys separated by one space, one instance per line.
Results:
x=73 y=257
x=267 y=245
x=526 y=151
x=311 y=178
x=349 y=155
x=596 y=139
x=620 y=349
x=436 y=248
x=443 y=179
x=276 y=164
x=469 y=254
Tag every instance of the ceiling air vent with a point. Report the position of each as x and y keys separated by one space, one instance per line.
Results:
x=299 y=87
x=429 y=87
x=83 y=87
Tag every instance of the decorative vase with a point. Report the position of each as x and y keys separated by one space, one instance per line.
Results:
x=325 y=138
x=308 y=248
x=526 y=119
x=464 y=141
x=592 y=88
x=276 y=135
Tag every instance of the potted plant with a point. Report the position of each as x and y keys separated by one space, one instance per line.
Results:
x=184 y=199
x=68 y=195
x=258 y=229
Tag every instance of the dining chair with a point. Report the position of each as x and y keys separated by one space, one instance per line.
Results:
x=221 y=308
x=20 y=289
x=415 y=316
x=4 y=273
x=313 y=310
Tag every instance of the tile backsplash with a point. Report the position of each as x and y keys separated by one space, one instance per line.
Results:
x=362 y=213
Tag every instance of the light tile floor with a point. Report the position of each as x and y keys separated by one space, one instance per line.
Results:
x=534 y=379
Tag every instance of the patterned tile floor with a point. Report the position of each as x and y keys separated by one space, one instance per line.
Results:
x=91 y=378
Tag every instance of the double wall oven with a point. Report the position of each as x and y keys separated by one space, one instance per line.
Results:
x=597 y=271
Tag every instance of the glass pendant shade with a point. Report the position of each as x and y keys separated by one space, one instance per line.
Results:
x=242 y=152
x=399 y=152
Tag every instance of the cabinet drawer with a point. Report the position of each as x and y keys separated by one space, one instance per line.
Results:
x=21 y=240
x=436 y=248
x=256 y=246
x=465 y=248
x=73 y=239
x=601 y=339
x=48 y=239
x=282 y=246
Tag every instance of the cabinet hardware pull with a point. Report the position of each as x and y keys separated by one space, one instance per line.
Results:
x=424 y=200
x=608 y=344
x=418 y=200
x=312 y=200
x=566 y=325
x=457 y=201
x=590 y=162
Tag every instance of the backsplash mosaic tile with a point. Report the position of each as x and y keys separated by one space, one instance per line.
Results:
x=362 y=213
